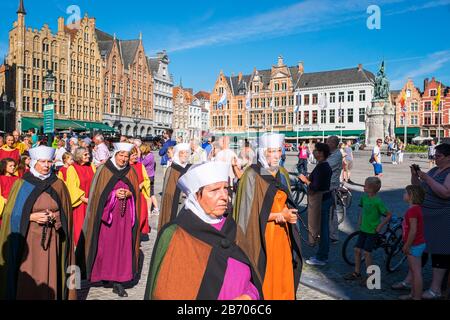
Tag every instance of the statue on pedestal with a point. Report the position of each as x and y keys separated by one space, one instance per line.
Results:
x=380 y=116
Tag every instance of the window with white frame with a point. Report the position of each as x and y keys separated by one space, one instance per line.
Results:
x=362 y=115
x=332 y=97
x=362 y=95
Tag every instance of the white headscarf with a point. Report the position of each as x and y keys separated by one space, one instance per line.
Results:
x=40 y=153
x=199 y=176
x=176 y=154
x=118 y=147
x=266 y=141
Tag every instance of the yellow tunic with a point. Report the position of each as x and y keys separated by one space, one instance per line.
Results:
x=73 y=185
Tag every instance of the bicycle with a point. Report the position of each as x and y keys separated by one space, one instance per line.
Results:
x=344 y=199
x=390 y=241
x=298 y=190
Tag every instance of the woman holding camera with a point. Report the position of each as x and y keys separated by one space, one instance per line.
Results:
x=436 y=215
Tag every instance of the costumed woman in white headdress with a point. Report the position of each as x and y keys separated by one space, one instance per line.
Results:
x=171 y=194
x=35 y=237
x=109 y=244
x=203 y=242
x=269 y=235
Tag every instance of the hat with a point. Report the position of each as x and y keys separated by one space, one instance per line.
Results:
x=271 y=140
x=202 y=175
x=41 y=153
x=122 y=146
x=176 y=152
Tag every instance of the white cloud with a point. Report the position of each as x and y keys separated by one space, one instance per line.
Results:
x=306 y=16
x=426 y=5
x=429 y=65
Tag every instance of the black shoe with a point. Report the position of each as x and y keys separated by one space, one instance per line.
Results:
x=106 y=284
x=119 y=290
x=334 y=241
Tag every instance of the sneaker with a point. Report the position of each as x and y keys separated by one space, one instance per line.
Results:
x=155 y=211
x=313 y=261
x=334 y=241
x=119 y=290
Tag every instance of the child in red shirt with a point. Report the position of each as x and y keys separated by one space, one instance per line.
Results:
x=413 y=239
x=7 y=180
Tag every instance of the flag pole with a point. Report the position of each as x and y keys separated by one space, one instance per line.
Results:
x=439 y=115
x=406 y=127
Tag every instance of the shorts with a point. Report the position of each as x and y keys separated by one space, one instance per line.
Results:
x=366 y=241
x=431 y=157
x=417 y=251
x=441 y=261
x=377 y=168
x=349 y=165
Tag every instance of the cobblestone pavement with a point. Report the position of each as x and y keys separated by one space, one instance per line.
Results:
x=316 y=282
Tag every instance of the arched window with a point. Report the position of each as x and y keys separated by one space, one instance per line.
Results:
x=36 y=43
x=86 y=34
x=45 y=46
x=114 y=66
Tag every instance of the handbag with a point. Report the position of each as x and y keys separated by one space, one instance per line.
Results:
x=314 y=216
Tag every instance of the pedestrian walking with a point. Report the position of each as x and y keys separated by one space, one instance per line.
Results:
x=375 y=159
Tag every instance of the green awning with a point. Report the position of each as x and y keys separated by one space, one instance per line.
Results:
x=293 y=134
x=410 y=131
x=37 y=123
x=98 y=126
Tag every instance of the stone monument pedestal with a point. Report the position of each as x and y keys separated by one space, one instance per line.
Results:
x=380 y=122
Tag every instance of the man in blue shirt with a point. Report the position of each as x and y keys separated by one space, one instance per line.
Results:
x=168 y=142
x=208 y=145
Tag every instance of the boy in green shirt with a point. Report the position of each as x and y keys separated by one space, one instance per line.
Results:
x=370 y=223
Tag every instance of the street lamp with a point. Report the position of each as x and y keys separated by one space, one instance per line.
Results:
x=408 y=96
x=136 y=120
x=5 y=101
x=49 y=86
x=50 y=81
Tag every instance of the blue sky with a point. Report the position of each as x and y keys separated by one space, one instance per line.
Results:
x=203 y=37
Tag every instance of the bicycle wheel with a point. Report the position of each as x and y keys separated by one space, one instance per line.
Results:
x=348 y=202
x=297 y=192
x=340 y=213
x=348 y=252
x=393 y=238
x=395 y=257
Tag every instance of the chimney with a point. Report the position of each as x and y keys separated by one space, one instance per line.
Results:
x=425 y=84
x=280 y=61
x=60 y=24
x=240 y=76
x=360 y=67
x=301 y=68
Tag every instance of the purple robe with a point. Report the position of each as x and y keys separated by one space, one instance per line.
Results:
x=237 y=280
x=114 y=259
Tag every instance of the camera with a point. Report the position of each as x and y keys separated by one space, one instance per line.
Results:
x=415 y=167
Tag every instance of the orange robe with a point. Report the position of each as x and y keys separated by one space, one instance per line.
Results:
x=279 y=277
